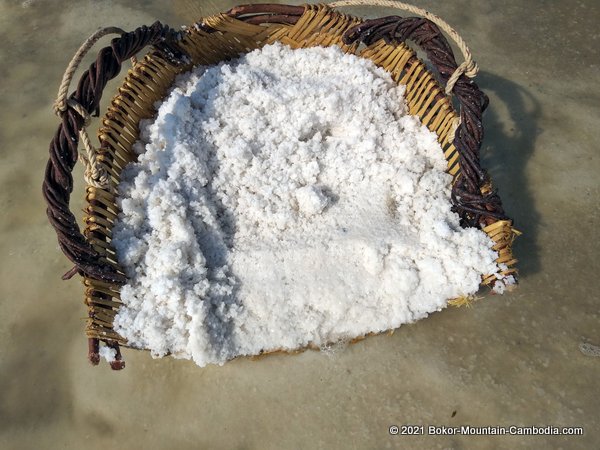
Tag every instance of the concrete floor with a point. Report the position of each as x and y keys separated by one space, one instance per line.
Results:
x=511 y=360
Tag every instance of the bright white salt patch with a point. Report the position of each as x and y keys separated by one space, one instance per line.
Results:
x=311 y=200
x=503 y=284
x=286 y=199
x=109 y=354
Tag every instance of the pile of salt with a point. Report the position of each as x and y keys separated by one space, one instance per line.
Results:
x=285 y=199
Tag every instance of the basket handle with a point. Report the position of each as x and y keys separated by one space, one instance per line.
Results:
x=468 y=67
x=75 y=111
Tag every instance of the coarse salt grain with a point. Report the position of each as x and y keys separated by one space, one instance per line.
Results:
x=108 y=353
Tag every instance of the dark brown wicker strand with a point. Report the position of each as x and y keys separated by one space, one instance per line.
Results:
x=271 y=18
x=262 y=13
x=242 y=11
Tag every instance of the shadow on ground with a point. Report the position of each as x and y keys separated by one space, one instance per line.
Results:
x=511 y=130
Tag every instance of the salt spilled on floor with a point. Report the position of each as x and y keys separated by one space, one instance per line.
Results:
x=287 y=199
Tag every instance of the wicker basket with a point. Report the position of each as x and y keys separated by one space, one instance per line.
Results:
x=221 y=37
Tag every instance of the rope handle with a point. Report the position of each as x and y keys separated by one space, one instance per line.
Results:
x=74 y=111
x=468 y=67
x=94 y=175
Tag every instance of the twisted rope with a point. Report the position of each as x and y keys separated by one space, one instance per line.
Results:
x=468 y=67
x=94 y=174
x=60 y=105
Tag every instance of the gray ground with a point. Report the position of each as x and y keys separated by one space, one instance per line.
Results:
x=512 y=360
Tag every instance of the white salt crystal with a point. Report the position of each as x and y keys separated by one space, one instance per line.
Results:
x=286 y=199
x=311 y=200
x=108 y=353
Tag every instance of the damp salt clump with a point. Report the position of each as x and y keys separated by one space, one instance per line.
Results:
x=282 y=200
